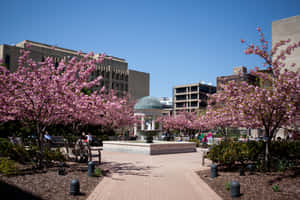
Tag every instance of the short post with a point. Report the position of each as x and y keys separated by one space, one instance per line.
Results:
x=242 y=172
x=251 y=168
x=91 y=168
x=99 y=156
x=203 y=158
x=74 y=187
x=61 y=169
x=235 y=189
x=213 y=171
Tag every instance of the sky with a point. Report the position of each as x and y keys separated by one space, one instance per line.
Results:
x=176 y=42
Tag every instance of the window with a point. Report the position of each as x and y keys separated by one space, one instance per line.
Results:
x=194 y=88
x=7 y=61
x=194 y=104
x=180 y=105
x=180 y=90
x=194 y=96
x=180 y=97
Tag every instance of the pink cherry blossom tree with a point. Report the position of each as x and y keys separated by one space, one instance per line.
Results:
x=216 y=117
x=182 y=122
x=118 y=112
x=270 y=105
x=43 y=94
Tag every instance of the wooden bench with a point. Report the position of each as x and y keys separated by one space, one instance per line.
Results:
x=95 y=152
x=58 y=142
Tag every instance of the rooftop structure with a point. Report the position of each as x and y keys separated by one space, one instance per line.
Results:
x=239 y=74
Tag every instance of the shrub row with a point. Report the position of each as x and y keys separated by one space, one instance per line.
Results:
x=230 y=152
x=21 y=155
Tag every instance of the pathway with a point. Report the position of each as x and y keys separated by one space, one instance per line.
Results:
x=160 y=177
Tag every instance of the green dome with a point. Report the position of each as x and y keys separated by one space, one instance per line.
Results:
x=148 y=103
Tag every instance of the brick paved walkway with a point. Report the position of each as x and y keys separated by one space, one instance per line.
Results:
x=160 y=177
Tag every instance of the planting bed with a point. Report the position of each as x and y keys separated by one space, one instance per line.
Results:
x=37 y=185
x=256 y=186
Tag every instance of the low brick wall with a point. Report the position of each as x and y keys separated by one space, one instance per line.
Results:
x=155 y=148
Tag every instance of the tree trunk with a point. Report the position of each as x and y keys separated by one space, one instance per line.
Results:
x=40 y=155
x=267 y=154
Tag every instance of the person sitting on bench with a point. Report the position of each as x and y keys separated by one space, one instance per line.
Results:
x=47 y=137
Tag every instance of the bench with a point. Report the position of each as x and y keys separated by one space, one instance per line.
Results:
x=58 y=142
x=85 y=152
x=95 y=152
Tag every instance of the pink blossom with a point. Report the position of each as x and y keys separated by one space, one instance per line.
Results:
x=27 y=45
x=258 y=29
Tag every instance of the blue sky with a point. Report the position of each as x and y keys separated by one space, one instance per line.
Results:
x=177 y=42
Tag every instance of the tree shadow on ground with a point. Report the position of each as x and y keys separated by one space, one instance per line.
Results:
x=14 y=193
x=126 y=169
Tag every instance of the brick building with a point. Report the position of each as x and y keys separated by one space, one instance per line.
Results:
x=239 y=74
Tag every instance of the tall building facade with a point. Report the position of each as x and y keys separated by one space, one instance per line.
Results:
x=115 y=72
x=191 y=97
x=288 y=28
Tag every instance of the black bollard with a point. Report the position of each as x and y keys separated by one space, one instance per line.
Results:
x=74 y=187
x=61 y=169
x=235 y=189
x=251 y=168
x=213 y=171
x=91 y=168
x=242 y=172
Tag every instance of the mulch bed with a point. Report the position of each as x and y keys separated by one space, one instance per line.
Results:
x=257 y=186
x=48 y=185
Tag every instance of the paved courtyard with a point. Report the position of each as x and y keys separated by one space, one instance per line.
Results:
x=160 y=177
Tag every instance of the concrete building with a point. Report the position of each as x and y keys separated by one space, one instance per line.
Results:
x=115 y=72
x=239 y=74
x=288 y=28
x=191 y=97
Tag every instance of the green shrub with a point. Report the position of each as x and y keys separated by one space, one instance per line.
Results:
x=19 y=154
x=227 y=186
x=228 y=152
x=8 y=166
x=224 y=153
x=14 y=152
x=284 y=154
x=275 y=188
x=98 y=172
x=5 y=147
x=50 y=156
